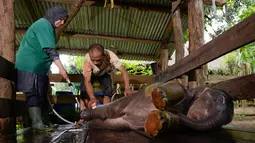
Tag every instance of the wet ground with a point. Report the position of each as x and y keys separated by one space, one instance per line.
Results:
x=83 y=135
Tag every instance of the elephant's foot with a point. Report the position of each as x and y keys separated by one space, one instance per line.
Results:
x=158 y=100
x=153 y=123
x=158 y=121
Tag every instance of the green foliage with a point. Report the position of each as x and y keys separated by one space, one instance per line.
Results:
x=248 y=12
x=231 y=62
x=133 y=68
x=226 y=17
x=79 y=62
x=136 y=68
x=76 y=65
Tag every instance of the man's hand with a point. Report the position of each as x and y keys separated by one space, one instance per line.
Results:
x=64 y=74
x=91 y=102
x=61 y=69
x=127 y=91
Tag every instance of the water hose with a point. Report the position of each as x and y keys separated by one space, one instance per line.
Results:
x=71 y=87
x=56 y=113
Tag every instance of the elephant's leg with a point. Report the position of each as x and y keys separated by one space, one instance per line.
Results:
x=158 y=121
x=167 y=95
x=110 y=110
x=117 y=123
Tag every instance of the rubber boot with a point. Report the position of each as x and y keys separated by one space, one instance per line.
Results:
x=37 y=124
x=46 y=118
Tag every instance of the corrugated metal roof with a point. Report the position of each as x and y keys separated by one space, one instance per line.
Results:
x=116 y=22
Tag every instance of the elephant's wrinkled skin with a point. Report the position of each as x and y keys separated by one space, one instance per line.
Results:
x=200 y=109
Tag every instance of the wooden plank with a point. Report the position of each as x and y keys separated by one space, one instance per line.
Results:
x=134 y=79
x=19 y=108
x=119 y=4
x=7 y=70
x=240 y=133
x=67 y=99
x=239 y=35
x=239 y=88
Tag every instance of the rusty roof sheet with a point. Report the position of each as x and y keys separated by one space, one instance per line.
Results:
x=99 y=21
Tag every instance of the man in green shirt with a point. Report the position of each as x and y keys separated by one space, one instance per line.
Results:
x=36 y=53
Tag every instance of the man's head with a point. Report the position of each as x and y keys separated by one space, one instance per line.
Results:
x=57 y=16
x=96 y=53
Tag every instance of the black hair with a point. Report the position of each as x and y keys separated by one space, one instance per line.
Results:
x=97 y=47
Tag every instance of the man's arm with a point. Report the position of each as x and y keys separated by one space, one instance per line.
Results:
x=89 y=87
x=126 y=80
x=54 y=56
x=87 y=81
x=61 y=69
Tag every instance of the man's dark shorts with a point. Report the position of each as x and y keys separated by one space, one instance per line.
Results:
x=105 y=82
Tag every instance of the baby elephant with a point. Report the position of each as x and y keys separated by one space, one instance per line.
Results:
x=164 y=106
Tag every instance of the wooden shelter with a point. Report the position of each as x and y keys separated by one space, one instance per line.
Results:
x=146 y=30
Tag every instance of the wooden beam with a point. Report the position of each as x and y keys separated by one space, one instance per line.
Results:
x=111 y=38
x=170 y=25
x=217 y=2
x=178 y=34
x=164 y=42
x=19 y=110
x=7 y=51
x=239 y=88
x=119 y=4
x=7 y=70
x=74 y=35
x=71 y=14
x=134 y=79
x=239 y=35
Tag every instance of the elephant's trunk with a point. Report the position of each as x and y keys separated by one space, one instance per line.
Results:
x=219 y=117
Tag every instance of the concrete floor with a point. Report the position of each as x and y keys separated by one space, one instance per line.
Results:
x=83 y=135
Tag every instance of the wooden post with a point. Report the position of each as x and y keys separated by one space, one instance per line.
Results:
x=179 y=40
x=196 y=35
x=71 y=14
x=164 y=58
x=178 y=33
x=7 y=51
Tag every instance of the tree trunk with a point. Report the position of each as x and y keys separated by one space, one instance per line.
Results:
x=7 y=51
